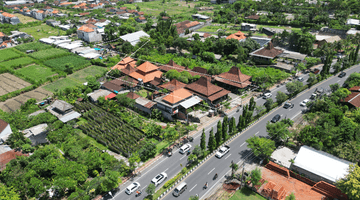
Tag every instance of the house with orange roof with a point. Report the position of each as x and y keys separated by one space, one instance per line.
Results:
x=124 y=62
x=181 y=27
x=141 y=19
x=9 y=18
x=233 y=80
x=176 y=103
x=64 y=4
x=39 y=15
x=146 y=72
x=2 y=37
x=240 y=36
x=89 y=33
x=76 y=7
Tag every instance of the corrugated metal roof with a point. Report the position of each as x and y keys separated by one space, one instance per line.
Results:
x=134 y=38
x=70 y=116
x=191 y=102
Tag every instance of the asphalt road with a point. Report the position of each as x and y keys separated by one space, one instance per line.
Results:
x=239 y=150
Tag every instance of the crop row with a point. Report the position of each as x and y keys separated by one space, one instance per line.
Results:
x=36 y=46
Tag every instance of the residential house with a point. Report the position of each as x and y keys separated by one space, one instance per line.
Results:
x=17 y=34
x=262 y=41
x=63 y=111
x=248 y=27
x=353 y=99
x=254 y=17
x=39 y=15
x=322 y=39
x=156 y=83
x=91 y=21
x=111 y=96
x=89 y=33
x=353 y=22
x=141 y=14
x=52 y=22
x=128 y=70
x=144 y=105
x=122 y=9
x=315 y=164
x=132 y=95
x=240 y=36
x=173 y=85
x=176 y=103
x=233 y=80
x=181 y=27
x=124 y=62
x=37 y=134
x=134 y=38
x=8 y=156
x=64 y=4
x=141 y=19
x=9 y=18
x=273 y=31
x=95 y=95
x=3 y=37
x=146 y=72
x=120 y=84
x=266 y=55
x=5 y=131
x=209 y=92
x=47 y=8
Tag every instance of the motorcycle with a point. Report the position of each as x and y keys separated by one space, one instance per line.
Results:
x=205 y=186
x=138 y=193
x=188 y=153
x=215 y=177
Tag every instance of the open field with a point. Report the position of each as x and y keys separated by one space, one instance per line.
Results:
x=10 y=83
x=214 y=29
x=8 y=54
x=16 y=62
x=44 y=31
x=36 y=72
x=280 y=27
x=246 y=194
x=24 y=19
x=48 y=53
x=36 y=46
x=59 y=63
x=13 y=104
x=75 y=79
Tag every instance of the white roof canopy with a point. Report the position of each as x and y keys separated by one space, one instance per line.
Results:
x=190 y=102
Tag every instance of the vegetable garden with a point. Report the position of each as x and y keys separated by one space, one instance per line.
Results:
x=59 y=63
x=36 y=46
x=109 y=130
x=8 y=54
x=49 y=53
x=16 y=63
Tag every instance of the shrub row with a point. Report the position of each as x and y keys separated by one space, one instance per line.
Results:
x=17 y=92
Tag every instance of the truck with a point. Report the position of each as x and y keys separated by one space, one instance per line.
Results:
x=317 y=92
x=222 y=151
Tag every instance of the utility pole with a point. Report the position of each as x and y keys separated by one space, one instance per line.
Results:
x=242 y=175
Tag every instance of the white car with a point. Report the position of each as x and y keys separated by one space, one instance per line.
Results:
x=184 y=148
x=222 y=151
x=132 y=188
x=267 y=95
x=301 y=79
x=303 y=103
x=159 y=178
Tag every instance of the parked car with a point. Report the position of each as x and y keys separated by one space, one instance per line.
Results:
x=267 y=95
x=303 y=103
x=342 y=74
x=132 y=188
x=301 y=79
x=184 y=148
x=288 y=105
x=159 y=178
x=276 y=118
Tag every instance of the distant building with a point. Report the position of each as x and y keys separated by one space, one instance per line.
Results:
x=248 y=27
x=353 y=99
x=95 y=95
x=134 y=38
x=233 y=80
x=353 y=22
x=263 y=41
x=5 y=131
x=37 y=134
x=181 y=27
x=240 y=36
x=89 y=33
x=265 y=55
x=200 y=17
x=63 y=111
x=9 y=18
x=322 y=39
x=141 y=19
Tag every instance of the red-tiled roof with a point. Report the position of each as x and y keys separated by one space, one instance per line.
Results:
x=5 y=14
x=174 y=66
x=146 y=77
x=355 y=89
x=256 y=17
x=128 y=70
x=83 y=14
x=113 y=85
x=122 y=8
x=120 y=13
x=132 y=95
x=234 y=77
x=110 y=96
x=91 y=21
x=204 y=87
x=149 y=104
x=147 y=67
x=177 y=95
x=237 y=36
x=86 y=29
x=269 y=51
x=353 y=99
x=218 y=95
x=140 y=13
x=191 y=24
x=55 y=11
x=3 y=125
x=181 y=26
x=8 y=156
x=157 y=81
x=142 y=18
x=128 y=81
x=206 y=35
x=2 y=34
x=200 y=70
x=173 y=85
x=122 y=64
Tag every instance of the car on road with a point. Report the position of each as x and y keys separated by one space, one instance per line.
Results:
x=184 y=148
x=301 y=79
x=303 y=103
x=288 y=105
x=132 y=188
x=222 y=151
x=159 y=178
x=342 y=74
x=276 y=118
x=267 y=95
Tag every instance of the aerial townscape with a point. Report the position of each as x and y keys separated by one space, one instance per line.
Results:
x=179 y=99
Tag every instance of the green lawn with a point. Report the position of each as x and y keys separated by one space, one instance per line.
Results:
x=16 y=62
x=8 y=54
x=280 y=27
x=75 y=79
x=36 y=72
x=49 y=53
x=246 y=194
x=44 y=31
x=142 y=93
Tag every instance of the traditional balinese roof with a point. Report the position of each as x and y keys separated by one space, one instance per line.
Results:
x=141 y=13
x=132 y=95
x=113 y=85
x=157 y=81
x=173 y=85
x=355 y=89
x=182 y=26
x=200 y=70
x=86 y=28
x=91 y=21
x=237 y=36
x=204 y=87
x=128 y=81
x=124 y=62
x=128 y=70
x=62 y=105
x=268 y=52
x=147 y=67
x=177 y=96
x=172 y=65
x=146 y=77
x=234 y=77
x=353 y=99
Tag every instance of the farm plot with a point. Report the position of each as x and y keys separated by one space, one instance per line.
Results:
x=10 y=83
x=36 y=46
x=49 y=53
x=7 y=54
x=42 y=31
x=17 y=63
x=36 y=72
x=24 y=19
x=59 y=63
x=109 y=130
x=13 y=104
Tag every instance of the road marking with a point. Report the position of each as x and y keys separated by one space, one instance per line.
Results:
x=257 y=132
x=211 y=171
x=227 y=156
x=338 y=81
x=295 y=115
x=166 y=169
x=192 y=188
x=281 y=115
x=242 y=144
x=183 y=157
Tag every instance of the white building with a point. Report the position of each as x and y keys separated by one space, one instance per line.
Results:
x=89 y=33
x=134 y=38
x=5 y=131
x=353 y=22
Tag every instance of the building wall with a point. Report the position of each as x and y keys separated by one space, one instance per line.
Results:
x=7 y=131
x=142 y=108
x=310 y=175
x=90 y=37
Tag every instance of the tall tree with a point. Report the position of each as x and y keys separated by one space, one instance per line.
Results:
x=218 y=135
x=279 y=130
x=268 y=104
x=255 y=176
x=252 y=104
x=225 y=128
x=150 y=190
x=234 y=167
x=291 y=197
x=280 y=97
x=241 y=123
x=232 y=126
x=212 y=141
x=203 y=141
x=261 y=146
x=350 y=183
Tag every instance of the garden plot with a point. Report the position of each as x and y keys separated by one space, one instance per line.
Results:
x=10 y=83
x=17 y=62
x=49 y=53
x=13 y=104
x=59 y=63
x=36 y=72
x=7 y=54
x=36 y=46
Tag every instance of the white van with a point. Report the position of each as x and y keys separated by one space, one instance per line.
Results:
x=180 y=189
x=184 y=148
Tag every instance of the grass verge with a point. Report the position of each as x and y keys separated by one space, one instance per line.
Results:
x=246 y=194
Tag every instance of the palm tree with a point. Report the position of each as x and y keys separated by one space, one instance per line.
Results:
x=234 y=167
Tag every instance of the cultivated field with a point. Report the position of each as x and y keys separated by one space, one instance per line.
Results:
x=48 y=53
x=75 y=79
x=59 y=63
x=13 y=104
x=10 y=83
x=36 y=72
x=16 y=62
x=8 y=54
x=24 y=19
x=44 y=31
x=36 y=46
